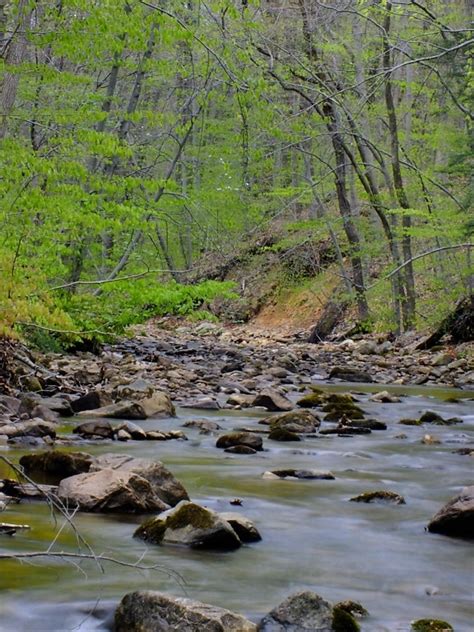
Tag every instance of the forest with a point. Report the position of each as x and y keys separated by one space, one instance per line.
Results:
x=139 y=138
x=236 y=315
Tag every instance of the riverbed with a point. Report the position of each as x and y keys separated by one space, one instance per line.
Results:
x=313 y=537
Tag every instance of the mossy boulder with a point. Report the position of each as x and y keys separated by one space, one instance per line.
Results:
x=410 y=422
x=431 y=625
x=191 y=525
x=302 y=612
x=372 y=424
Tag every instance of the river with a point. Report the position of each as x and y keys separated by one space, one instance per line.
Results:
x=313 y=537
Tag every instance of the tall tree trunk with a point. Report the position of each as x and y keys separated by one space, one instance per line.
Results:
x=409 y=304
x=14 y=54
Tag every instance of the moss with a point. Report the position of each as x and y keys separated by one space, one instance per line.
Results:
x=190 y=514
x=430 y=417
x=310 y=401
x=152 y=530
x=343 y=621
x=410 y=422
x=431 y=625
x=340 y=398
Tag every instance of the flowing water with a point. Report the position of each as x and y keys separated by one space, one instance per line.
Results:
x=313 y=537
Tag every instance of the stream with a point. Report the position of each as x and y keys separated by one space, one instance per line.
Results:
x=313 y=537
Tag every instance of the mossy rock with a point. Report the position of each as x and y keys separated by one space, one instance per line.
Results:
x=343 y=621
x=431 y=625
x=381 y=496
x=280 y=434
x=340 y=398
x=152 y=530
x=430 y=417
x=190 y=514
x=352 y=607
x=372 y=424
x=310 y=401
x=410 y=422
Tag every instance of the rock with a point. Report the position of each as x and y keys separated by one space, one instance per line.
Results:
x=372 y=424
x=240 y=449
x=203 y=403
x=272 y=400
x=280 y=434
x=134 y=431
x=31 y=428
x=45 y=413
x=304 y=611
x=410 y=422
x=154 y=435
x=337 y=412
x=122 y=435
x=352 y=607
x=244 y=528
x=430 y=440
x=9 y=405
x=343 y=621
x=90 y=401
x=456 y=518
x=384 y=397
x=298 y=421
x=239 y=399
x=205 y=426
x=60 y=405
x=310 y=401
x=240 y=438
x=110 y=490
x=345 y=430
x=56 y=465
x=158 y=405
x=148 y=611
x=349 y=375
x=120 y=410
x=101 y=429
x=191 y=525
x=430 y=417
x=380 y=496
x=442 y=359
x=301 y=474
x=431 y=625
x=164 y=484
x=136 y=390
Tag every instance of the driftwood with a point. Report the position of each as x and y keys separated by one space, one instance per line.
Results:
x=7 y=528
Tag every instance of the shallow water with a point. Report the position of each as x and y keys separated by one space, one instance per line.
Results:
x=313 y=538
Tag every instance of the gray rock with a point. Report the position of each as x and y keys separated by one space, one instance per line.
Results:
x=164 y=484
x=94 y=429
x=9 y=405
x=124 y=409
x=244 y=528
x=155 y=612
x=304 y=611
x=90 y=401
x=456 y=518
x=134 y=431
x=30 y=428
x=384 y=397
x=191 y=525
x=380 y=496
x=272 y=400
x=349 y=375
x=240 y=438
x=302 y=474
x=110 y=490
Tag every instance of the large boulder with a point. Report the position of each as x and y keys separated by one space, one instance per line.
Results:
x=304 y=611
x=110 y=490
x=153 y=402
x=456 y=518
x=90 y=401
x=148 y=611
x=191 y=525
x=349 y=374
x=164 y=484
x=55 y=465
x=272 y=400
x=124 y=409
